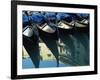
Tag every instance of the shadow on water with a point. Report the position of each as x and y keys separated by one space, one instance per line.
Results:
x=32 y=47
x=69 y=46
x=78 y=45
x=83 y=39
x=50 y=39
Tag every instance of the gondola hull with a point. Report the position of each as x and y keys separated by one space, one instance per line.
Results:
x=78 y=27
x=53 y=35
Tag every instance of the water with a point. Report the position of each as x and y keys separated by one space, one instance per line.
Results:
x=27 y=64
x=77 y=44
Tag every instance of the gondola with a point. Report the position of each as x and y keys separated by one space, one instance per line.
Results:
x=81 y=22
x=72 y=27
x=65 y=27
x=82 y=26
x=47 y=31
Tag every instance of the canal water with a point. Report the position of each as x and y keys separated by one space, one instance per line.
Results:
x=27 y=64
x=78 y=46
